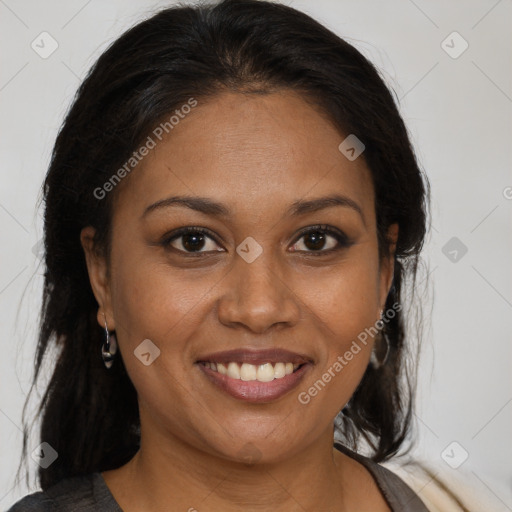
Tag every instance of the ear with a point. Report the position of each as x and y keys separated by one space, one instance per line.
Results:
x=97 y=269
x=387 y=267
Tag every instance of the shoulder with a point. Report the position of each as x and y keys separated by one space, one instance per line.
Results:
x=63 y=496
x=36 y=502
x=397 y=493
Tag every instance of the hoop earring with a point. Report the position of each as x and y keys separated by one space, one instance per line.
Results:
x=109 y=347
x=378 y=361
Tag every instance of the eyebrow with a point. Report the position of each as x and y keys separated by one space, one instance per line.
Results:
x=209 y=207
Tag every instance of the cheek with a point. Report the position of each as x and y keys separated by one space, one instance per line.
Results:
x=345 y=308
x=153 y=301
x=347 y=300
x=151 y=295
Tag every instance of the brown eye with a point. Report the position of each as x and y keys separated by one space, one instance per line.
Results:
x=314 y=240
x=321 y=239
x=191 y=240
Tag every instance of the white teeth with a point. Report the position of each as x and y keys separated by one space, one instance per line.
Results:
x=279 y=370
x=265 y=372
x=233 y=371
x=248 y=372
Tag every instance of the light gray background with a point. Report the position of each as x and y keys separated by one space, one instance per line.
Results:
x=458 y=111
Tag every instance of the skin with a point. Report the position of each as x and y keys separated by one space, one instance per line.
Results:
x=255 y=154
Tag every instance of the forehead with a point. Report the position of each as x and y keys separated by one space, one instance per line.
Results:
x=251 y=152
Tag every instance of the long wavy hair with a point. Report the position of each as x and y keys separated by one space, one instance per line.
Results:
x=90 y=415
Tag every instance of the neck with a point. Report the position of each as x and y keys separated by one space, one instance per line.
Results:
x=167 y=473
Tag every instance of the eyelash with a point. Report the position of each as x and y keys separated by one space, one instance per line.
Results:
x=342 y=239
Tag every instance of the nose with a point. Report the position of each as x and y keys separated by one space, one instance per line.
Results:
x=257 y=296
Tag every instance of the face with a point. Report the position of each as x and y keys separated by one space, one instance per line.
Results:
x=268 y=264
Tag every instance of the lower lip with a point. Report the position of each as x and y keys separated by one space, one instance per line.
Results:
x=254 y=390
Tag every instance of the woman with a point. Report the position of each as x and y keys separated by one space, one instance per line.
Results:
x=233 y=210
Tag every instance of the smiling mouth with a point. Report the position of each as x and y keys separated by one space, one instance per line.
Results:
x=258 y=376
x=247 y=372
x=260 y=383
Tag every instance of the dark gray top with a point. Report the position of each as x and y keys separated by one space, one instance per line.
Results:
x=90 y=493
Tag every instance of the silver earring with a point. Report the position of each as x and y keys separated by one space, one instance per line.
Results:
x=378 y=361
x=109 y=348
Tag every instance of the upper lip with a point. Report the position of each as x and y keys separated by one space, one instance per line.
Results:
x=256 y=357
